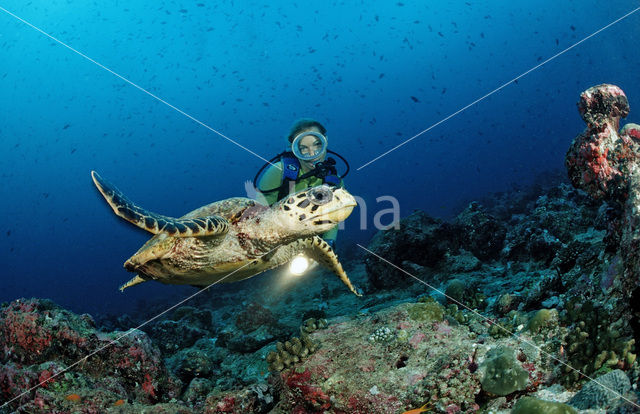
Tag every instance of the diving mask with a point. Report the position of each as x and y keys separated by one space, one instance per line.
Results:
x=309 y=146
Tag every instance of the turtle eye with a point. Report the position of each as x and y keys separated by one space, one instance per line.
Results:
x=321 y=195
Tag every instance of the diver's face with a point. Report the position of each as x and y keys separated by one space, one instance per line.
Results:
x=311 y=145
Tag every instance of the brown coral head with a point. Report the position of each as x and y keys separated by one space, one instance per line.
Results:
x=603 y=102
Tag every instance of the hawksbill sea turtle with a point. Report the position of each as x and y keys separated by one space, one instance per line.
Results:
x=232 y=239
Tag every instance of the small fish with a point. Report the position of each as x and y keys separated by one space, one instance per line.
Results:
x=417 y=410
x=118 y=403
x=73 y=397
x=414 y=99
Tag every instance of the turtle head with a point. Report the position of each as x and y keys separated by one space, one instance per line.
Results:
x=315 y=210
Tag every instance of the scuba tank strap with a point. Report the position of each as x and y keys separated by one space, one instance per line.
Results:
x=290 y=171
x=290 y=167
x=332 y=180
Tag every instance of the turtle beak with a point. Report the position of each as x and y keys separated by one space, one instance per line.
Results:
x=341 y=213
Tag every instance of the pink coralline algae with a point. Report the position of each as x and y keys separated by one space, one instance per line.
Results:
x=604 y=161
x=227 y=405
x=22 y=333
x=600 y=158
x=39 y=340
x=304 y=395
x=416 y=339
x=351 y=374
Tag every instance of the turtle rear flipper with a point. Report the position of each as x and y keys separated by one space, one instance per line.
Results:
x=320 y=251
x=157 y=223
x=137 y=279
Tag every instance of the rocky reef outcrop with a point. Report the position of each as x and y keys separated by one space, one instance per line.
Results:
x=53 y=359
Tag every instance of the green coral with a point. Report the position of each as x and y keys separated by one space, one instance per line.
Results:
x=544 y=318
x=427 y=310
x=293 y=350
x=506 y=302
x=290 y=352
x=464 y=294
x=402 y=336
x=501 y=373
x=456 y=290
x=508 y=325
x=313 y=324
x=457 y=315
x=530 y=405
x=596 y=342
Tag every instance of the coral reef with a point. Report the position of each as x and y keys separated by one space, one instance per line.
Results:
x=257 y=398
x=254 y=317
x=349 y=373
x=255 y=327
x=596 y=340
x=382 y=334
x=482 y=234
x=604 y=392
x=427 y=310
x=202 y=360
x=419 y=239
x=293 y=350
x=542 y=319
x=603 y=161
x=290 y=352
x=465 y=294
x=40 y=340
x=501 y=373
x=526 y=294
x=530 y=405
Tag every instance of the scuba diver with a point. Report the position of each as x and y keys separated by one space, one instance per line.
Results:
x=305 y=164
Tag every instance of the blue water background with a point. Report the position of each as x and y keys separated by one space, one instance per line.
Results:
x=375 y=73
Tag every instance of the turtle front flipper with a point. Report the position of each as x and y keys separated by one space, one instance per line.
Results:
x=320 y=251
x=156 y=223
